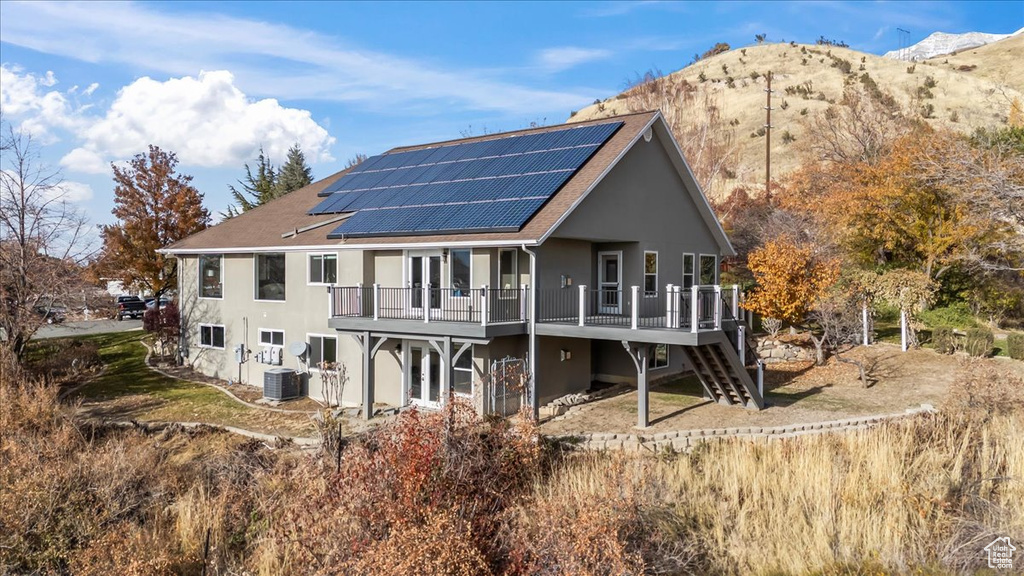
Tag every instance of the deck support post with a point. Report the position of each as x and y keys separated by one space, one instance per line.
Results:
x=365 y=342
x=583 y=304
x=638 y=355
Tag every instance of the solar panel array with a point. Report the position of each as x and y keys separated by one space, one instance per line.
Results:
x=490 y=186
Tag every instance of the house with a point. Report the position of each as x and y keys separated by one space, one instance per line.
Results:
x=586 y=250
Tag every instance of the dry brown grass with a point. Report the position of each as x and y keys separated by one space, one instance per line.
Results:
x=449 y=494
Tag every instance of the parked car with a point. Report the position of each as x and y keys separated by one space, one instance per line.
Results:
x=151 y=302
x=53 y=313
x=130 y=307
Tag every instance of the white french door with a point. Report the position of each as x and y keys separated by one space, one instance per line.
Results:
x=425 y=268
x=424 y=375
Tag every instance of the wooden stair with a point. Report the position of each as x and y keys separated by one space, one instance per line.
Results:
x=723 y=374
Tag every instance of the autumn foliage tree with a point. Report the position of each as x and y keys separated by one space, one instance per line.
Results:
x=154 y=206
x=790 y=278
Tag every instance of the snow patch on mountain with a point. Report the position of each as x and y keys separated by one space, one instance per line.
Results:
x=940 y=43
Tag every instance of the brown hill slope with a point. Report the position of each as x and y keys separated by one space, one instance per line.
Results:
x=806 y=80
x=999 y=62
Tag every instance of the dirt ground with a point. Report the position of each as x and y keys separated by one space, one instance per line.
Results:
x=794 y=393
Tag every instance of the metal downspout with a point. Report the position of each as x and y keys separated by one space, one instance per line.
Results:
x=535 y=406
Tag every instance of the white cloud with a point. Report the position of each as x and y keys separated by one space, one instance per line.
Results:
x=267 y=58
x=75 y=191
x=565 y=57
x=23 y=96
x=206 y=121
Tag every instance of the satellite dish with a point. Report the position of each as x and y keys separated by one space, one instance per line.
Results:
x=298 y=348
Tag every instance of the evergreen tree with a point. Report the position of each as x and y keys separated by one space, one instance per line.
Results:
x=294 y=174
x=257 y=189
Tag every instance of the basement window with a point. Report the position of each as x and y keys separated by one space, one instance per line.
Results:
x=657 y=356
x=211 y=336
x=462 y=383
x=322 y=349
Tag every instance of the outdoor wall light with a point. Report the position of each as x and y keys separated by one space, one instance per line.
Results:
x=444 y=255
x=565 y=354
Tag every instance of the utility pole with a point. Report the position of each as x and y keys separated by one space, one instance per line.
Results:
x=768 y=139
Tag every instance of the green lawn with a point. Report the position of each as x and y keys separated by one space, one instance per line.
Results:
x=129 y=390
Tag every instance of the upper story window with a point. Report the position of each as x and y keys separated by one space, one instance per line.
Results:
x=650 y=273
x=688 y=270
x=323 y=268
x=508 y=269
x=211 y=276
x=269 y=276
x=708 y=269
x=460 y=272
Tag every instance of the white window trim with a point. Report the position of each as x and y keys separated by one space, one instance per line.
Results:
x=668 y=357
x=199 y=277
x=515 y=272
x=259 y=337
x=693 y=270
x=210 y=346
x=472 y=383
x=699 y=269
x=256 y=277
x=644 y=273
x=312 y=365
x=309 y=268
x=451 y=272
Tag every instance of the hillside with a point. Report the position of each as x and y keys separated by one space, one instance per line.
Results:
x=808 y=78
x=998 y=62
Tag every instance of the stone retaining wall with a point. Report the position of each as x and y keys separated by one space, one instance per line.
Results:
x=772 y=350
x=686 y=440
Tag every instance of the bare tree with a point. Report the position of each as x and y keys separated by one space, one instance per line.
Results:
x=42 y=242
x=859 y=128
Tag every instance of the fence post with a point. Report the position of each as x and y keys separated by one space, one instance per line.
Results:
x=677 y=303
x=694 y=314
x=330 y=303
x=864 y=319
x=741 y=343
x=582 y=305
x=668 y=306
x=376 y=301
x=523 y=299
x=718 y=307
x=636 y=305
x=483 y=305
x=760 y=379
x=426 y=303
x=736 y=302
x=903 y=330
x=359 y=300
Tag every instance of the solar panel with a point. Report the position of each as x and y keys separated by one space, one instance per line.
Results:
x=492 y=185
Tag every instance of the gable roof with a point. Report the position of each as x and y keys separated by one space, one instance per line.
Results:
x=285 y=224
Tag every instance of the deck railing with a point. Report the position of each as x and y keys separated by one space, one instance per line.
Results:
x=693 y=309
x=429 y=304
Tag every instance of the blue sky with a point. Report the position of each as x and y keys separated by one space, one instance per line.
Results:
x=96 y=82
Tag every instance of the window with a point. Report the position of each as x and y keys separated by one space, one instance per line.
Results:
x=322 y=349
x=460 y=260
x=323 y=268
x=462 y=383
x=508 y=270
x=211 y=336
x=211 y=276
x=270 y=276
x=650 y=273
x=687 y=270
x=271 y=337
x=657 y=356
x=708 y=269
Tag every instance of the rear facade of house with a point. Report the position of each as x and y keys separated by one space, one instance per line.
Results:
x=512 y=268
